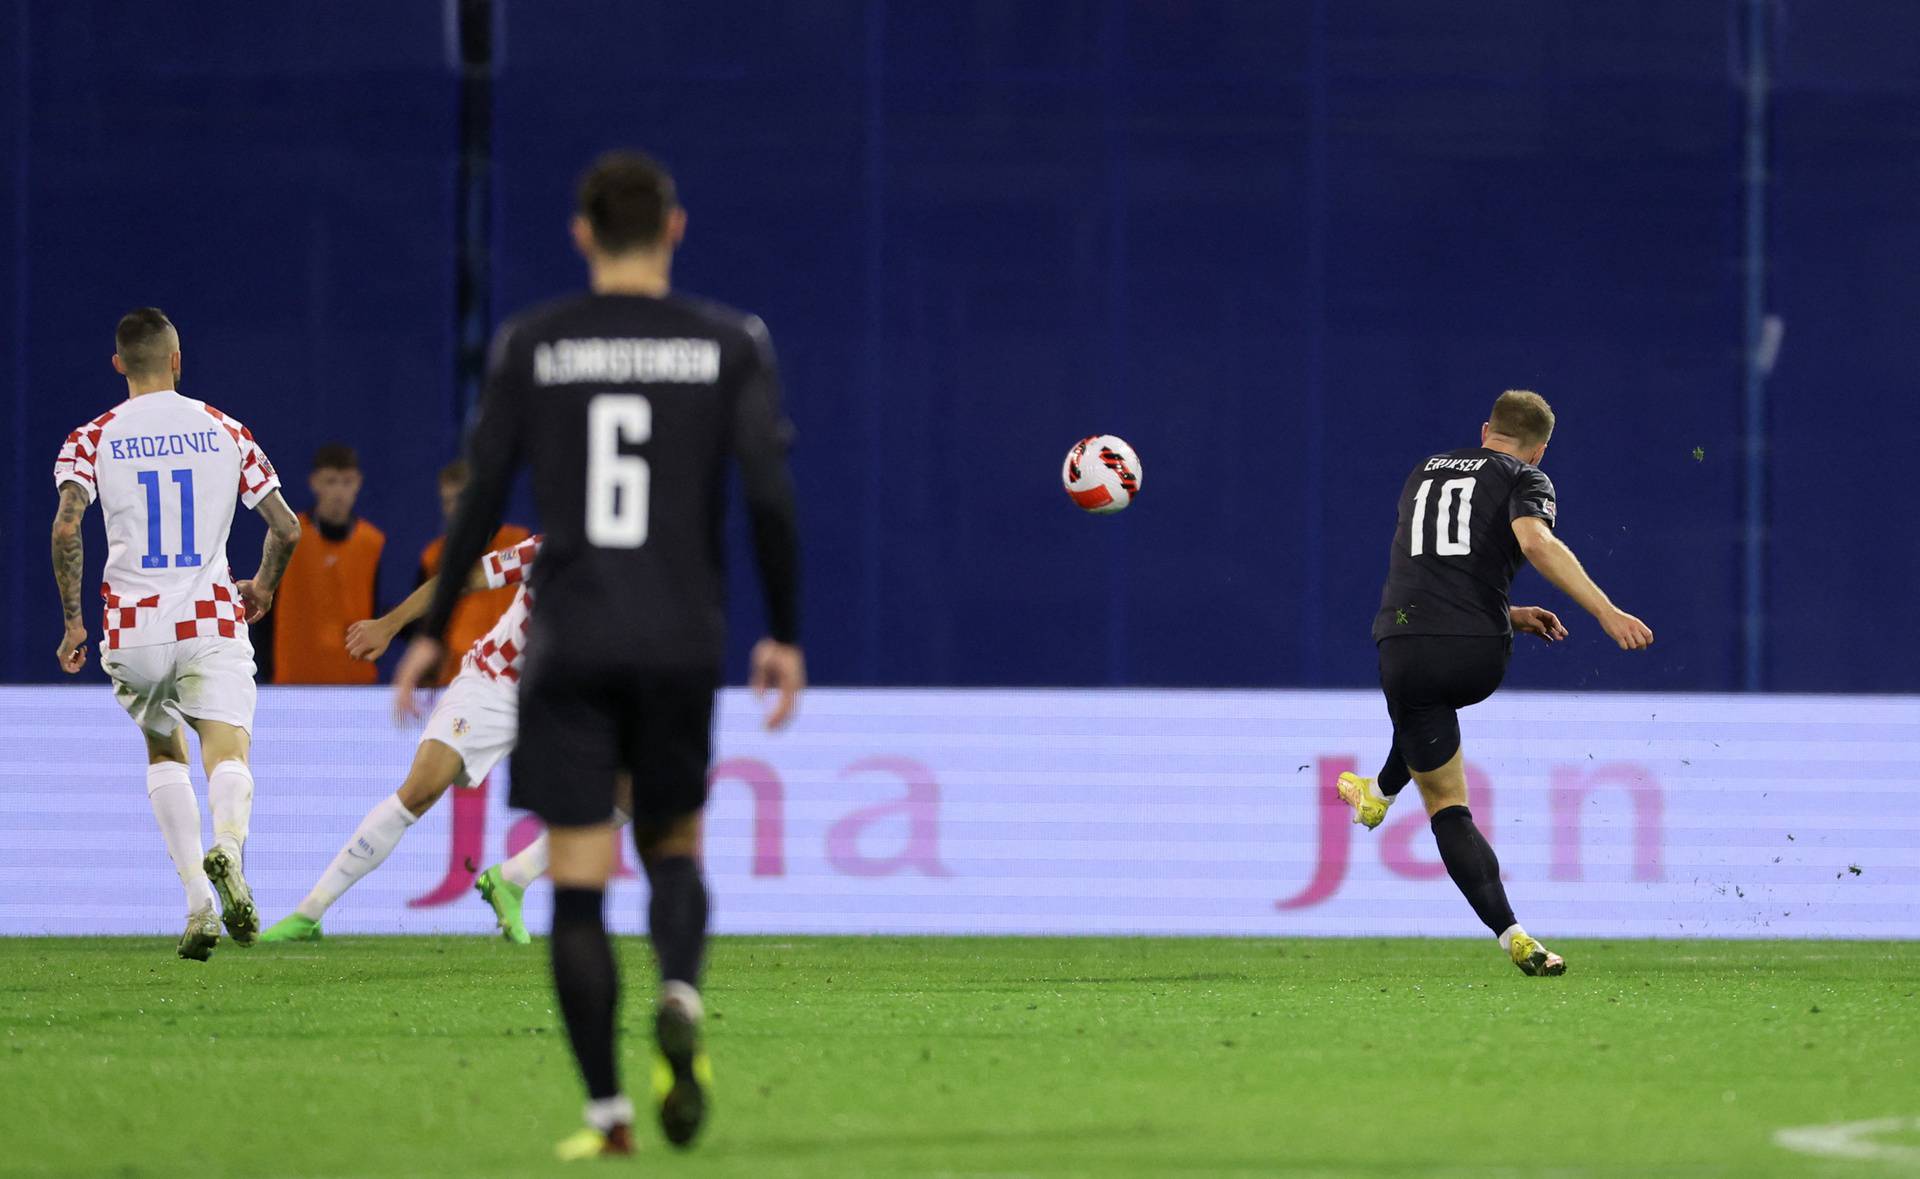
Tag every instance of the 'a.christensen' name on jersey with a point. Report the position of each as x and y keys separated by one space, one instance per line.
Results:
x=678 y=362
x=162 y=445
x=1453 y=464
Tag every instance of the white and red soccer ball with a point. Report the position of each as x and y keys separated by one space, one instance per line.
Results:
x=1101 y=474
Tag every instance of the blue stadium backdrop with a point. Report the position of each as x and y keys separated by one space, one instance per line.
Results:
x=1285 y=249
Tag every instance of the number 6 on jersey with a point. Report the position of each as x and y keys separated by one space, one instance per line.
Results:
x=617 y=484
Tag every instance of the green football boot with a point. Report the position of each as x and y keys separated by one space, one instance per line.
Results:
x=292 y=928
x=203 y=933
x=504 y=895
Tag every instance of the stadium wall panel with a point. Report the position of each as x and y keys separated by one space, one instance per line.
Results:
x=281 y=183
x=1031 y=812
x=1284 y=249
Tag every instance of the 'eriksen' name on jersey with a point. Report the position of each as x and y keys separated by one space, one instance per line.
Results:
x=162 y=445
x=679 y=362
x=1455 y=464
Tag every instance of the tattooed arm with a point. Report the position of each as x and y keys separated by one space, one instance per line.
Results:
x=69 y=560
x=283 y=533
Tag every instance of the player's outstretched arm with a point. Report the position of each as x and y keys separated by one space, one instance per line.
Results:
x=283 y=536
x=1557 y=564
x=369 y=639
x=69 y=565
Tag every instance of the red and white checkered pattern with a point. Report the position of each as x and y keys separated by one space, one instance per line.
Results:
x=223 y=614
x=498 y=654
x=257 y=476
x=169 y=472
x=122 y=615
x=77 y=463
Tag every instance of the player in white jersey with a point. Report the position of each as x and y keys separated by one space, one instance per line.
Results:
x=168 y=471
x=470 y=730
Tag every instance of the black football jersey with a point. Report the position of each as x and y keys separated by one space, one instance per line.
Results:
x=628 y=410
x=1454 y=551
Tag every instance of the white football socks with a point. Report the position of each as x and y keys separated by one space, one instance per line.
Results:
x=530 y=863
x=177 y=809
x=674 y=993
x=1506 y=938
x=230 y=795
x=526 y=866
x=608 y=1112
x=372 y=842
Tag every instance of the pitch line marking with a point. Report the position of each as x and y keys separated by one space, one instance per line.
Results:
x=1852 y=1140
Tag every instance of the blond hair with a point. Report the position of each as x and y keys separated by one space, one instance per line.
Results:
x=1523 y=415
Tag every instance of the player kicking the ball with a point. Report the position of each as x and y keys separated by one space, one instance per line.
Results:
x=1468 y=518
x=472 y=727
x=167 y=471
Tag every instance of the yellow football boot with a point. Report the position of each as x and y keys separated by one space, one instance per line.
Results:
x=1533 y=958
x=589 y=1143
x=1369 y=805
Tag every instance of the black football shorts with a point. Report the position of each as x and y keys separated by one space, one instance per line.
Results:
x=1427 y=680
x=579 y=730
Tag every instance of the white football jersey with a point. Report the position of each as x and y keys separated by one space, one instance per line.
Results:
x=167 y=471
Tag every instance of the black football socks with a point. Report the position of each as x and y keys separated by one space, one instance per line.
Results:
x=1394 y=776
x=1473 y=866
x=677 y=918
x=587 y=983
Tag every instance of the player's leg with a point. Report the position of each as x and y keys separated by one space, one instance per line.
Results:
x=504 y=885
x=1454 y=674
x=668 y=752
x=223 y=751
x=586 y=980
x=677 y=913
x=563 y=771
x=1370 y=797
x=177 y=810
x=143 y=684
x=217 y=696
x=435 y=767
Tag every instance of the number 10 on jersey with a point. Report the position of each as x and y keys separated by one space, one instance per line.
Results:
x=617 y=484
x=1460 y=543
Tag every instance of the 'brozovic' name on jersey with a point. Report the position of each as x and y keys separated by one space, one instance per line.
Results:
x=1454 y=551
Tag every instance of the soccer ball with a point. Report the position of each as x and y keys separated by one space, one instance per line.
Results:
x=1101 y=474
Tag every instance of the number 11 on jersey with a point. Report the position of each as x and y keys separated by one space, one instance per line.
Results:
x=153 y=558
x=617 y=484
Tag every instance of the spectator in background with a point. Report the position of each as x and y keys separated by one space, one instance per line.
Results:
x=332 y=582
x=476 y=613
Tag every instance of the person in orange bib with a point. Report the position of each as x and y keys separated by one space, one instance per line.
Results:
x=332 y=582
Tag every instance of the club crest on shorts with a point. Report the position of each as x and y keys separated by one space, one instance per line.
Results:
x=460 y=726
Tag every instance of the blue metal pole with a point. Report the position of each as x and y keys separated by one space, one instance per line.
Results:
x=1759 y=87
x=19 y=665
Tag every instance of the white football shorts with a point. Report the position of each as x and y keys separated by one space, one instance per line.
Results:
x=165 y=685
x=479 y=719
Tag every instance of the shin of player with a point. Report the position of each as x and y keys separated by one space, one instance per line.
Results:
x=168 y=472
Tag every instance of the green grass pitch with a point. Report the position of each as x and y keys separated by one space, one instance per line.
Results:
x=953 y=1056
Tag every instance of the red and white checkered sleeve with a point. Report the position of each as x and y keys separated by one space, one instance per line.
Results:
x=77 y=456
x=257 y=476
x=509 y=566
